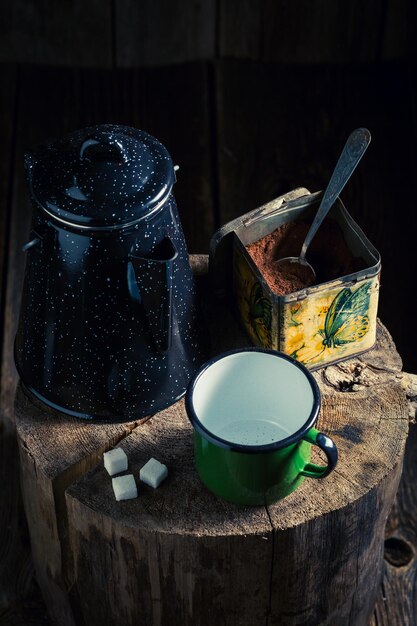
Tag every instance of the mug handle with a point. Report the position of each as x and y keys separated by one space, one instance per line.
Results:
x=325 y=443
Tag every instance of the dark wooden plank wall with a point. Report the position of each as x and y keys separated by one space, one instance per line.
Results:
x=71 y=32
x=128 y=33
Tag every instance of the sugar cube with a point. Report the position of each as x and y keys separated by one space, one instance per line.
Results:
x=124 y=487
x=115 y=461
x=153 y=473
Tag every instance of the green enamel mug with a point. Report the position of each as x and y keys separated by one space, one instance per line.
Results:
x=253 y=412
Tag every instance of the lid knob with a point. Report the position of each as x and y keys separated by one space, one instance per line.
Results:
x=108 y=149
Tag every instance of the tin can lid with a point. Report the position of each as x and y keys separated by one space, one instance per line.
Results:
x=107 y=176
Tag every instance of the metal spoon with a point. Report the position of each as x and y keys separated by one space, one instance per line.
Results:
x=352 y=152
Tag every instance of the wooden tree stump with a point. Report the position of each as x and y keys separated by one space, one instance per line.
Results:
x=178 y=554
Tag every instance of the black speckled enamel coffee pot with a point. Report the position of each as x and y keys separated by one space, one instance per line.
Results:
x=108 y=321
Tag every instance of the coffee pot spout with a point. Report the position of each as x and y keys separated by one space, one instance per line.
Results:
x=153 y=274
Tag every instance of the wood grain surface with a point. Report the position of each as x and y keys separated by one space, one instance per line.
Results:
x=397 y=597
x=182 y=543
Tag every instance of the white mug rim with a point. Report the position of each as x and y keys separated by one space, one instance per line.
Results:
x=213 y=438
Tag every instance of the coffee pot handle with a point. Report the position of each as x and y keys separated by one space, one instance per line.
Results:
x=153 y=274
x=34 y=241
x=31 y=244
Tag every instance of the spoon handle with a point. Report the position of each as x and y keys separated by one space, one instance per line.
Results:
x=352 y=153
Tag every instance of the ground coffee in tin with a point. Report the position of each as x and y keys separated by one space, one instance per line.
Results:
x=328 y=254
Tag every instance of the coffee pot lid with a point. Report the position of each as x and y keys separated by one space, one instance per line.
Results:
x=101 y=177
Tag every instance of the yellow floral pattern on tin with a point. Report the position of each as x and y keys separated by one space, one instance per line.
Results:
x=328 y=327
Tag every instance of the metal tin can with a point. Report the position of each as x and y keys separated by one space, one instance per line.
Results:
x=317 y=325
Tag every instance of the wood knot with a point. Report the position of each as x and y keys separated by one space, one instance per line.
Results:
x=409 y=383
x=349 y=376
x=397 y=552
x=347 y=385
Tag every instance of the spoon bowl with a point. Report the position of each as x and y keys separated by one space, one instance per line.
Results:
x=353 y=150
x=298 y=270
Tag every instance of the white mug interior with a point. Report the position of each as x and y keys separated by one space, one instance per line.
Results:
x=253 y=398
